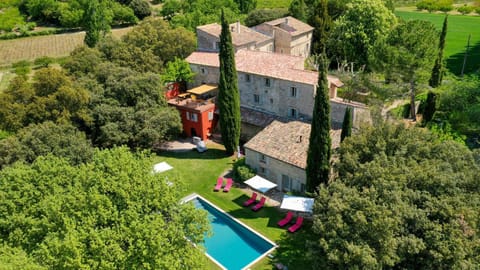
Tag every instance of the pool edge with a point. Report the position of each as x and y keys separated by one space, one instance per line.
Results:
x=195 y=195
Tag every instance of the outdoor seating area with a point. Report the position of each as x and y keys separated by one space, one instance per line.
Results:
x=219 y=184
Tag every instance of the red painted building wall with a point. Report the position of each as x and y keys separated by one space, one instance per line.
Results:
x=203 y=126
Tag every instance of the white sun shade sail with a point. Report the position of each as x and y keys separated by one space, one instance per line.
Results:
x=260 y=184
x=161 y=167
x=295 y=203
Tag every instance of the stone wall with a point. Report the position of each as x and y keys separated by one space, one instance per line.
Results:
x=274 y=170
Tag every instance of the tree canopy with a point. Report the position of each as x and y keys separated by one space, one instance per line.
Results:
x=357 y=29
x=407 y=54
x=403 y=200
x=320 y=144
x=110 y=213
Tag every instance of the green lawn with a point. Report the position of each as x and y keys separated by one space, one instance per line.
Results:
x=273 y=3
x=200 y=171
x=459 y=27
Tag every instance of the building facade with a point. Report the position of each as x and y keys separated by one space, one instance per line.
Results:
x=286 y=36
x=197 y=111
x=272 y=83
x=291 y=36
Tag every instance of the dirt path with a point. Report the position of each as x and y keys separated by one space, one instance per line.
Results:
x=30 y=48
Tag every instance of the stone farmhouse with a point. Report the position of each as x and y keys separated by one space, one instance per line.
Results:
x=272 y=86
x=286 y=36
x=279 y=153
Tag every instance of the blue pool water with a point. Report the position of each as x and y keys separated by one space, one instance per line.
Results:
x=231 y=244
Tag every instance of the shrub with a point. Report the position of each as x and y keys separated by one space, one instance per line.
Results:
x=465 y=9
x=241 y=171
x=140 y=8
x=43 y=61
x=259 y=16
x=22 y=68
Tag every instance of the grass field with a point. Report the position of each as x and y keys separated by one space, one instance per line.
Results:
x=273 y=3
x=31 y=48
x=200 y=171
x=459 y=28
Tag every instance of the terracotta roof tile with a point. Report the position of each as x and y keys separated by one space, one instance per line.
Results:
x=287 y=142
x=291 y=25
x=239 y=38
x=274 y=65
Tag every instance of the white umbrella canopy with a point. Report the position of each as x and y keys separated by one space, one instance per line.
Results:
x=259 y=183
x=296 y=203
x=161 y=167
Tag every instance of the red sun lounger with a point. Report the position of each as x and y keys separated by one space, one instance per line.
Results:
x=286 y=219
x=219 y=184
x=251 y=200
x=259 y=205
x=297 y=225
x=228 y=185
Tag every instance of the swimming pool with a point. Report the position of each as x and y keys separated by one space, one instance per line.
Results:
x=232 y=244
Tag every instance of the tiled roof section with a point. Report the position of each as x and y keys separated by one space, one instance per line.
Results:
x=259 y=119
x=287 y=142
x=274 y=65
x=291 y=25
x=241 y=34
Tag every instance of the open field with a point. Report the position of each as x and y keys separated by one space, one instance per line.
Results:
x=459 y=27
x=273 y=3
x=200 y=171
x=31 y=48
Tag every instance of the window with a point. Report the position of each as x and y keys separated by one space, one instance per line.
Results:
x=217 y=45
x=203 y=71
x=263 y=171
x=210 y=115
x=262 y=158
x=256 y=99
x=247 y=77
x=302 y=187
x=293 y=91
x=292 y=113
x=286 y=183
x=192 y=117
x=267 y=82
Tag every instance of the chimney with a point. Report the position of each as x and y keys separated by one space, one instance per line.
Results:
x=286 y=20
x=238 y=27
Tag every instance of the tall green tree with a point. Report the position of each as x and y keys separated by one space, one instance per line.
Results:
x=437 y=71
x=430 y=107
x=406 y=55
x=298 y=9
x=347 y=124
x=228 y=95
x=357 y=29
x=245 y=6
x=109 y=213
x=319 y=148
x=322 y=24
x=94 y=22
x=403 y=200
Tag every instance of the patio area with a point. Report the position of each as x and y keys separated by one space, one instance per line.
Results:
x=206 y=168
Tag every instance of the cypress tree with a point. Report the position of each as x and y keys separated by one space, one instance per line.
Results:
x=437 y=71
x=429 y=107
x=228 y=100
x=319 y=148
x=321 y=23
x=94 y=22
x=347 y=124
x=298 y=10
